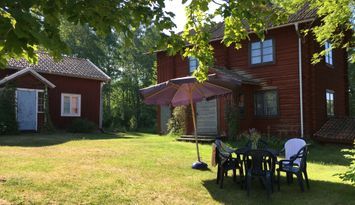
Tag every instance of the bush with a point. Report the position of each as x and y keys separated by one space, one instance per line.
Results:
x=231 y=114
x=8 y=122
x=177 y=122
x=349 y=175
x=82 y=126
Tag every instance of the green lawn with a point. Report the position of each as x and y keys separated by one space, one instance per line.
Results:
x=138 y=168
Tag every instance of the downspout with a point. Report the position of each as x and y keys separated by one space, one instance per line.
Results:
x=101 y=106
x=300 y=77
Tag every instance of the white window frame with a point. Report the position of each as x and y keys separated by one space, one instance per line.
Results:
x=332 y=92
x=62 y=105
x=328 y=56
x=44 y=104
x=262 y=55
x=192 y=59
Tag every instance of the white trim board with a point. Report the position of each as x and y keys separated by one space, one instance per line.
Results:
x=62 y=114
x=25 y=71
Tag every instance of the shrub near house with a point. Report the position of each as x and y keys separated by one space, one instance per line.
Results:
x=8 y=122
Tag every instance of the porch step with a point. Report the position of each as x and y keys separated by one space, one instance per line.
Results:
x=200 y=138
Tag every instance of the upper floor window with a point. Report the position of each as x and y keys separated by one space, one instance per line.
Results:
x=329 y=97
x=71 y=105
x=262 y=52
x=193 y=64
x=266 y=103
x=328 y=53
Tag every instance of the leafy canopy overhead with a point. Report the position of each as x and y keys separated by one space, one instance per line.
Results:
x=336 y=19
x=25 y=25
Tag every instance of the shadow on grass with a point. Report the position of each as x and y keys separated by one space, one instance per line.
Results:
x=321 y=192
x=328 y=154
x=41 y=140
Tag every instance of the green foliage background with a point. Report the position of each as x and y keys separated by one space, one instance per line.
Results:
x=351 y=73
x=177 y=122
x=8 y=123
x=128 y=65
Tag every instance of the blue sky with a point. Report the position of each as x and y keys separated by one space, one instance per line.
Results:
x=177 y=8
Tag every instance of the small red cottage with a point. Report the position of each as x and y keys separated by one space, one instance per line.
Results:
x=282 y=92
x=74 y=90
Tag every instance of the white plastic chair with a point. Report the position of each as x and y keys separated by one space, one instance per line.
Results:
x=292 y=146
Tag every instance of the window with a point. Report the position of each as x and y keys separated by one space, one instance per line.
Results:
x=40 y=101
x=328 y=53
x=262 y=52
x=71 y=105
x=329 y=97
x=193 y=64
x=266 y=103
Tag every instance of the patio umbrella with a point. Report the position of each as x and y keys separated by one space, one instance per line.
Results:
x=184 y=91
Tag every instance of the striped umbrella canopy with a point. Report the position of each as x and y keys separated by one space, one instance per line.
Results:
x=184 y=91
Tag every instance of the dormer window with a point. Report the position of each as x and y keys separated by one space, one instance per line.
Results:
x=193 y=64
x=328 y=53
x=262 y=52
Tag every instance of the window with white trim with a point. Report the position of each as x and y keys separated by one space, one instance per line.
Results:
x=71 y=105
x=40 y=101
x=262 y=52
x=193 y=64
x=328 y=53
x=329 y=97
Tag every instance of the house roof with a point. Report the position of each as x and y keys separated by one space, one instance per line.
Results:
x=27 y=71
x=67 y=66
x=302 y=15
x=339 y=129
x=235 y=73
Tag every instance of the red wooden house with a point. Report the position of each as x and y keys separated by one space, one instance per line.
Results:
x=74 y=90
x=282 y=92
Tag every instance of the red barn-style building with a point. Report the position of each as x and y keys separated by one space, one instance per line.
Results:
x=74 y=90
x=282 y=92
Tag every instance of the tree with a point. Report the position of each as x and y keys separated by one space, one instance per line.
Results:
x=27 y=24
x=127 y=65
x=240 y=17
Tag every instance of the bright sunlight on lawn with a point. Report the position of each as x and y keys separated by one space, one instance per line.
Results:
x=140 y=168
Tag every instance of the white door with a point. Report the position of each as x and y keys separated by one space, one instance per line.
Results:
x=207 y=117
x=27 y=109
x=165 y=115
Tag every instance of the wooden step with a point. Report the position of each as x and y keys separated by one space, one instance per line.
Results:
x=202 y=139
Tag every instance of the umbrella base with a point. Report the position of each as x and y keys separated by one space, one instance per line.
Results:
x=199 y=165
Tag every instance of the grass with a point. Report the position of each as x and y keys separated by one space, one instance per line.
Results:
x=137 y=168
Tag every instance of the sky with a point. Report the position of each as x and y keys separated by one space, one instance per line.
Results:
x=177 y=8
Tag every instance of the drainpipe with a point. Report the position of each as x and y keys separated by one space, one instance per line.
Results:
x=300 y=77
x=101 y=106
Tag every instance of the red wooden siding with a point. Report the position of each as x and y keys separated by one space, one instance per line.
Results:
x=88 y=89
x=282 y=75
x=90 y=98
x=318 y=78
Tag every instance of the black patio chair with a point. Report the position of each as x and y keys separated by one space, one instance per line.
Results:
x=259 y=163
x=296 y=165
x=226 y=162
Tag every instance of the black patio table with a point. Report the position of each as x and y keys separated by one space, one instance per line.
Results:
x=241 y=151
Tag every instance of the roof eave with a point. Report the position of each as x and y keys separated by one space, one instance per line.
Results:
x=250 y=32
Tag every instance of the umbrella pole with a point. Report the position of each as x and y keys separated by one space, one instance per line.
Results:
x=195 y=129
